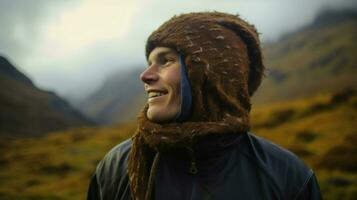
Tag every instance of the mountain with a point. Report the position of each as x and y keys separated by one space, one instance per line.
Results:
x=119 y=99
x=318 y=58
x=26 y=110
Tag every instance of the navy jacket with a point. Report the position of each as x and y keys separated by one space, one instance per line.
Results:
x=244 y=167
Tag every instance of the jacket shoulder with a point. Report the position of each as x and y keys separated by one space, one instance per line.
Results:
x=284 y=168
x=111 y=172
x=116 y=157
x=119 y=152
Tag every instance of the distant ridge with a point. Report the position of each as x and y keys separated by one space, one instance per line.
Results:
x=325 y=18
x=333 y=17
x=119 y=99
x=26 y=110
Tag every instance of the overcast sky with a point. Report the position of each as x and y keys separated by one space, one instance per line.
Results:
x=71 y=46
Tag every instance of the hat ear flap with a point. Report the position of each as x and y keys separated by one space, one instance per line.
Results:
x=197 y=78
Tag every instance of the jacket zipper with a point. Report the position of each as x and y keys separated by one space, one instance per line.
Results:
x=193 y=170
x=193 y=166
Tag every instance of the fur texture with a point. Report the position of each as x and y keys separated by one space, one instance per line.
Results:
x=224 y=65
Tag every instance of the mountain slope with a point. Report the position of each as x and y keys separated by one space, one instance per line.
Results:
x=318 y=58
x=28 y=111
x=118 y=100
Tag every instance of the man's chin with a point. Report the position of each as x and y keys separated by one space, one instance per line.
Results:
x=153 y=115
x=158 y=116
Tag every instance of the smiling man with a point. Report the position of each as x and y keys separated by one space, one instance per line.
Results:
x=193 y=139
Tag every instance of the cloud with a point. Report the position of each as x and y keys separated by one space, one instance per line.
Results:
x=71 y=46
x=21 y=22
x=82 y=45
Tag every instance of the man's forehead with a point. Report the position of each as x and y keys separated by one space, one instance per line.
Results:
x=160 y=51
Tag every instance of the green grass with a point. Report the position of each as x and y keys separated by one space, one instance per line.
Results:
x=322 y=131
x=58 y=166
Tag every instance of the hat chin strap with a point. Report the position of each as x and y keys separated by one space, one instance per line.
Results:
x=186 y=94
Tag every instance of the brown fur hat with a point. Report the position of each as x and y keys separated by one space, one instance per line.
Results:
x=223 y=60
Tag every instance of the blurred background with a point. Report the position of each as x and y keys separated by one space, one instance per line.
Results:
x=70 y=88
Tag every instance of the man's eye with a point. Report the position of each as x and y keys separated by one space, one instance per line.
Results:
x=166 y=60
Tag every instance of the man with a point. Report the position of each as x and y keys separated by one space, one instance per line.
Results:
x=192 y=140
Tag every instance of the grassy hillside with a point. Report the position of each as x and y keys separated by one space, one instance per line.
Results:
x=319 y=58
x=57 y=166
x=321 y=130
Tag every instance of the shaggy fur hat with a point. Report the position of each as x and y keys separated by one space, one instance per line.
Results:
x=223 y=59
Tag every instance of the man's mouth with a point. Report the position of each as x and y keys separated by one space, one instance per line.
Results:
x=154 y=94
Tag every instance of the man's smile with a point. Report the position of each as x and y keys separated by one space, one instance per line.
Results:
x=155 y=95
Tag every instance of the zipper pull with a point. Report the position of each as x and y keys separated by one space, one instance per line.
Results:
x=193 y=168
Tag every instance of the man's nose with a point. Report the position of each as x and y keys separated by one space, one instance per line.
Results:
x=149 y=75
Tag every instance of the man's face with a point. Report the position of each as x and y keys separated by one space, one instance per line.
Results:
x=162 y=83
